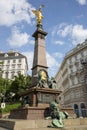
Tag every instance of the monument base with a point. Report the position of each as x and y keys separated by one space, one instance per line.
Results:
x=37 y=104
x=40 y=96
x=32 y=113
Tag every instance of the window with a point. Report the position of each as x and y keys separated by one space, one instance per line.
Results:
x=75 y=57
x=76 y=110
x=6 y=75
x=19 y=60
x=72 y=70
x=19 y=72
x=13 y=66
x=82 y=54
x=7 y=66
x=70 y=61
x=8 y=61
x=14 y=61
x=12 y=75
x=19 y=65
x=83 y=110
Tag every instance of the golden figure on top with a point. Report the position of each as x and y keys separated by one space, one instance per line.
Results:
x=38 y=14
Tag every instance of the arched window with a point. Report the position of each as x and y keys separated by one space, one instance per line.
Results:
x=83 y=110
x=76 y=110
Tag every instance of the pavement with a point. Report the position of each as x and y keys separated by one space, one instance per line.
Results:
x=3 y=128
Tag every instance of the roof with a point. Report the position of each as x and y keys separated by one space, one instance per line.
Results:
x=12 y=55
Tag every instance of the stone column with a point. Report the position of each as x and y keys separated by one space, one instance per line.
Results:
x=39 y=60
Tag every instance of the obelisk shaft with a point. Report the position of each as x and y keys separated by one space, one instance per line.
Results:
x=39 y=61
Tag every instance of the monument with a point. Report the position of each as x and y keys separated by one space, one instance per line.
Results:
x=36 y=100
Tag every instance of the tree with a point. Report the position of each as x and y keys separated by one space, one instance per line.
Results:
x=28 y=81
x=4 y=88
x=1 y=63
x=20 y=84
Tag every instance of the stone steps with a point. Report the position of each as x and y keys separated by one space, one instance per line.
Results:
x=69 y=124
x=72 y=128
x=80 y=127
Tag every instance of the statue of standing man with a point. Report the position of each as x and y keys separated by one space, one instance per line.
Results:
x=38 y=14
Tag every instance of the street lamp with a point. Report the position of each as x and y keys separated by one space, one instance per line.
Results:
x=3 y=103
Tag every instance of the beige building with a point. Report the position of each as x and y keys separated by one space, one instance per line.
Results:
x=71 y=79
x=11 y=63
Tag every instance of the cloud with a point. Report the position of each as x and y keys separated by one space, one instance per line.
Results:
x=79 y=34
x=80 y=16
x=56 y=28
x=75 y=33
x=29 y=56
x=51 y=62
x=18 y=39
x=58 y=55
x=64 y=30
x=82 y=2
x=15 y=11
x=57 y=42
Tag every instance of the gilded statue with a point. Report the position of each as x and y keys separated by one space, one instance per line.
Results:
x=43 y=75
x=42 y=79
x=38 y=14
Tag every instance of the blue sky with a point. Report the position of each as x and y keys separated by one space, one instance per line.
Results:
x=65 y=21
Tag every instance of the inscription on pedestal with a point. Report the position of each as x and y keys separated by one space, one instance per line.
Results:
x=45 y=98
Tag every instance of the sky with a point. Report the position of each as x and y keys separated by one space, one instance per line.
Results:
x=65 y=21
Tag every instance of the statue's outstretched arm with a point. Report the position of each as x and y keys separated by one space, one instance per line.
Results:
x=34 y=11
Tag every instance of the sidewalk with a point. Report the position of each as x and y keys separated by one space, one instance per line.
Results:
x=3 y=128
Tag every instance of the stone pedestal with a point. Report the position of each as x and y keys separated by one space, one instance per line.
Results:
x=32 y=113
x=41 y=96
x=38 y=107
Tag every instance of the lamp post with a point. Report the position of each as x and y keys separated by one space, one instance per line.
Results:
x=3 y=103
x=1 y=63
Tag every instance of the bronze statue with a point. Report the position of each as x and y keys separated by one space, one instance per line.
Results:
x=56 y=115
x=38 y=14
x=52 y=83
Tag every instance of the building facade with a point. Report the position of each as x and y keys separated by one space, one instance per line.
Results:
x=12 y=63
x=71 y=80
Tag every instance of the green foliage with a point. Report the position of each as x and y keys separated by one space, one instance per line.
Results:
x=16 y=86
x=20 y=84
x=2 y=81
x=10 y=107
x=4 y=85
x=28 y=80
